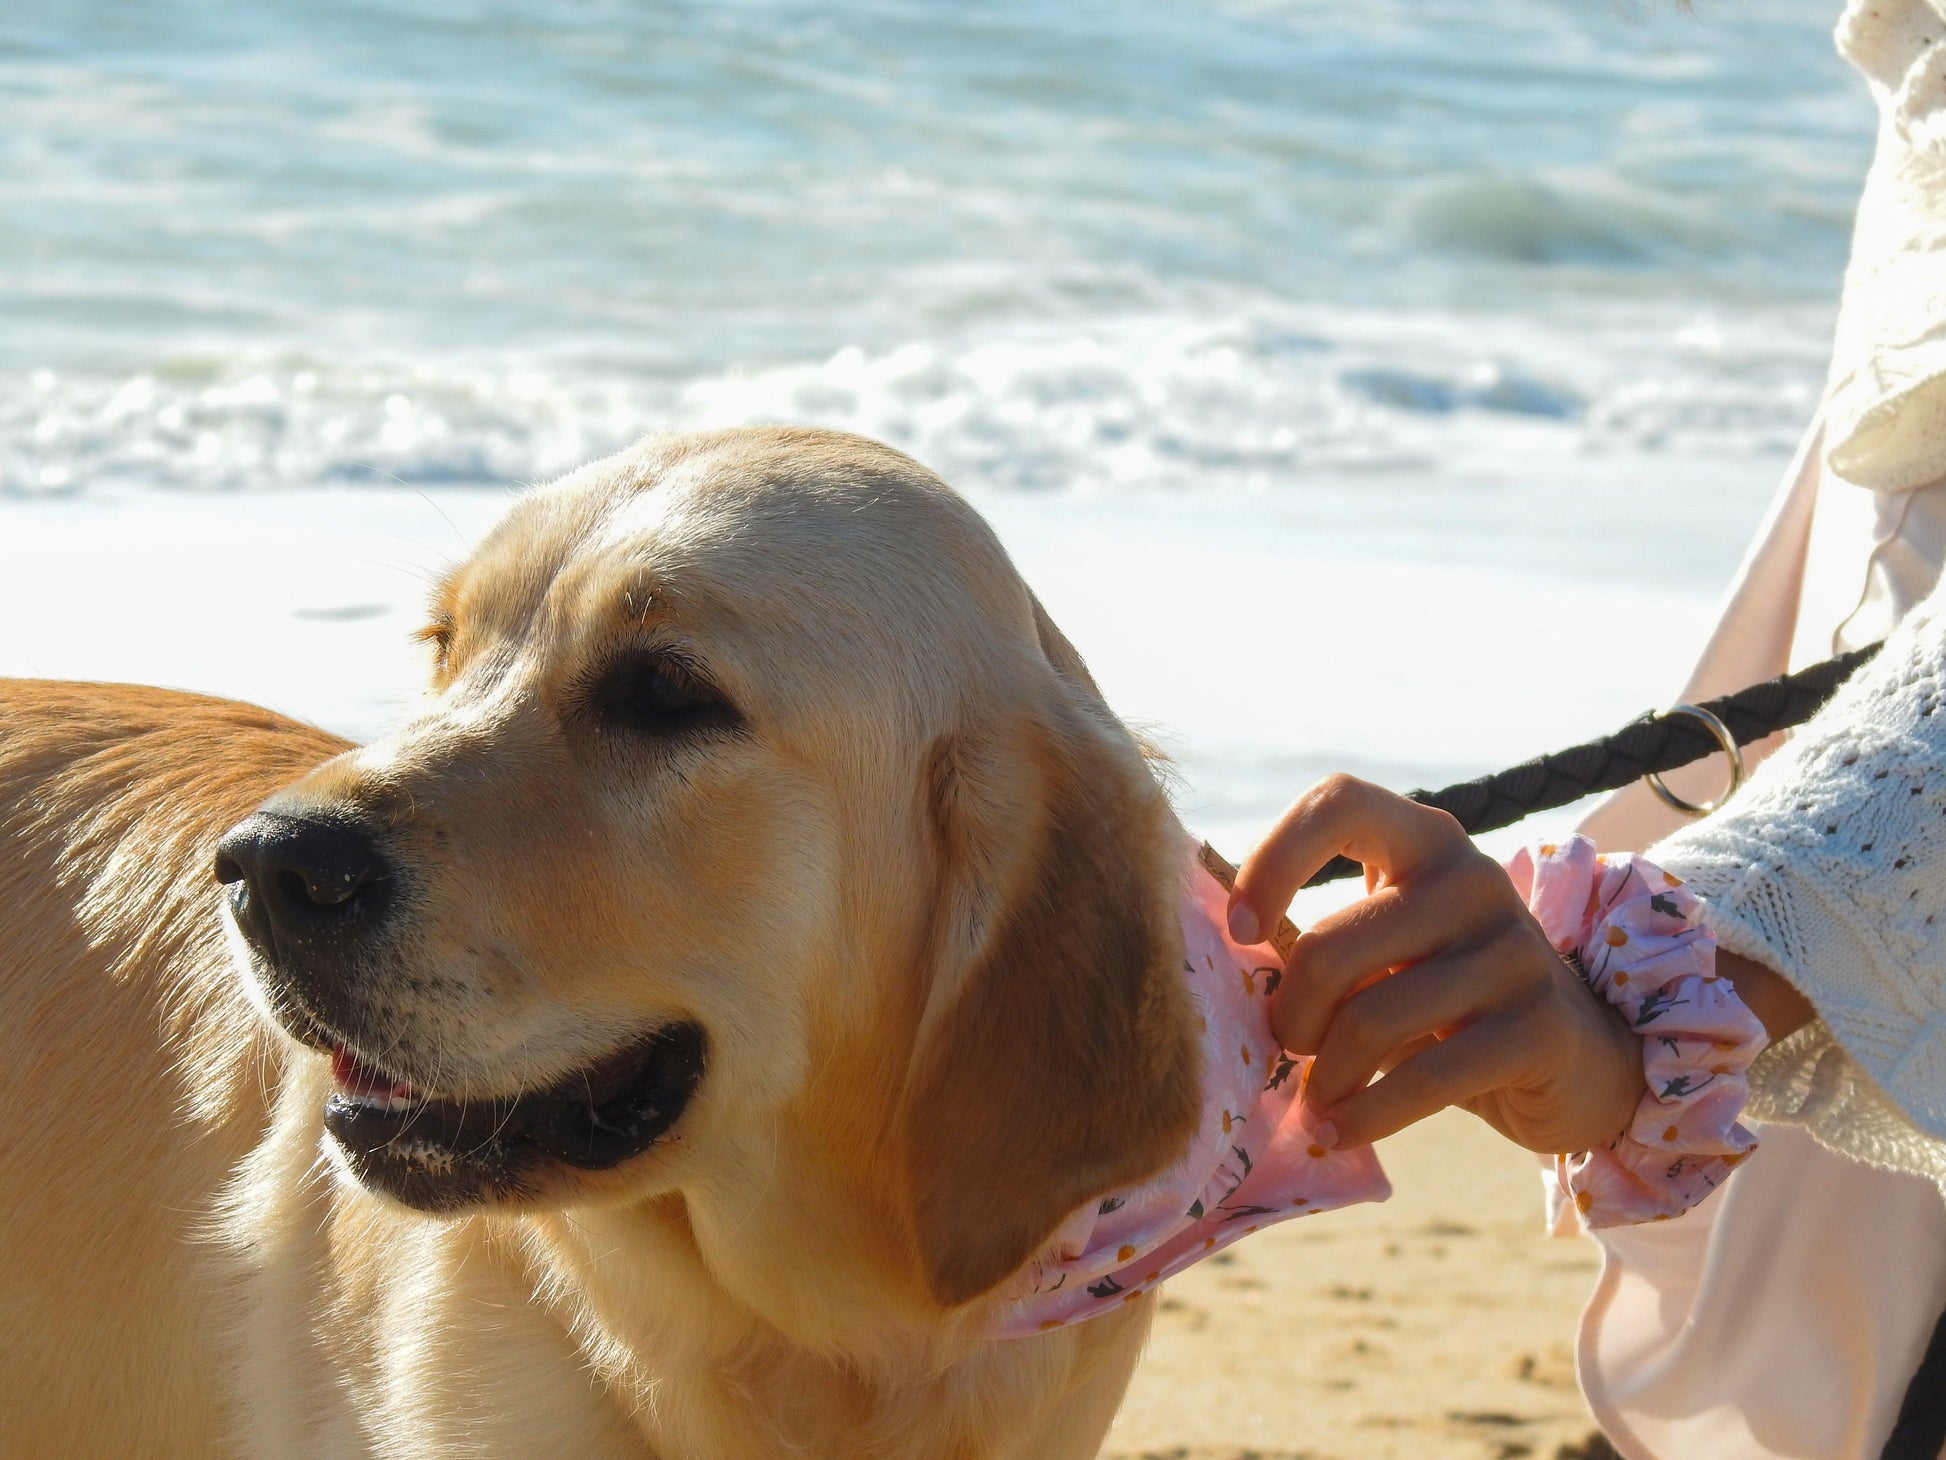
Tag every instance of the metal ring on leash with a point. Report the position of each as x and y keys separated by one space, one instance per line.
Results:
x=1730 y=748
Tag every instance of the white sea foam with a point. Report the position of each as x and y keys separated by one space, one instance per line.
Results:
x=269 y=425
x=1250 y=403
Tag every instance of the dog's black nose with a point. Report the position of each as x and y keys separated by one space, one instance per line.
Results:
x=302 y=877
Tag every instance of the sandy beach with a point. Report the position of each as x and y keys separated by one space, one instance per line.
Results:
x=1438 y=1324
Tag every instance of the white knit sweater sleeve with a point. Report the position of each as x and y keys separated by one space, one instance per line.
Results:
x=1830 y=867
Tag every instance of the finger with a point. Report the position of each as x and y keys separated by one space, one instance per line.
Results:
x=1352 y=947
x=1340 y=815
x=1373 y=1023
x=1405 y=1052
x=1479 y=1058
x=1458 y=904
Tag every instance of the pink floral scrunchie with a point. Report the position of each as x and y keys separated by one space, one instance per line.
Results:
x=1638 y=937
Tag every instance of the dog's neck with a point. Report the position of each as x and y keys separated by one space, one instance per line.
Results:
x=718 y=1344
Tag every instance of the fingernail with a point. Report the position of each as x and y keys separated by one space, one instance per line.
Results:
x=1243 y=924
x=1325 y=1133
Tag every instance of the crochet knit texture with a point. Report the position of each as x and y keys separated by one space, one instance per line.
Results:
x=1830 y=867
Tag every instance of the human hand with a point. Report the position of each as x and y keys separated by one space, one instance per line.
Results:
x=1439 y=976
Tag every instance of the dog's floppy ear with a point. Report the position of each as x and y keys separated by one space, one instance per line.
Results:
x=1055 y=1060
x=1065 y=658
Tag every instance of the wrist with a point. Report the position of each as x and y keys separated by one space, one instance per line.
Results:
x=1779 y=1007
x=1626 y=1081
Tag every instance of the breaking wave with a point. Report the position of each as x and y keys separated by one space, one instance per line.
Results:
x=1258 y=403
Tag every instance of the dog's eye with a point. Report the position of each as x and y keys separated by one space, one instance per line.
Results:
x=657 y=694
x=439 y=634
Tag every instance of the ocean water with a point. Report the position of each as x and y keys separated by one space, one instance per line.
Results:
x=1052 y=245
x=1532 y=294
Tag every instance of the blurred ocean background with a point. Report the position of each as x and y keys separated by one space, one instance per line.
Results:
x=1335 y=370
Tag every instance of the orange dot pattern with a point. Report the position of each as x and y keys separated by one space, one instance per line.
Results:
x=1641 y=941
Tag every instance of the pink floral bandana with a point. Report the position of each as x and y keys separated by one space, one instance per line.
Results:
x=1251 y=1162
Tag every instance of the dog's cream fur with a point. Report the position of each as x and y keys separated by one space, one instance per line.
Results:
x=922 y=903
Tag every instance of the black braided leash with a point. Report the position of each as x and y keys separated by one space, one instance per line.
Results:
x=1650 y=745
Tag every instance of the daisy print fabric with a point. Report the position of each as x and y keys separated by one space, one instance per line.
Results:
x=1252 y=1161
x=1640 y=940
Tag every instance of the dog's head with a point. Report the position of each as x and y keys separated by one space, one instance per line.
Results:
x=756 y=821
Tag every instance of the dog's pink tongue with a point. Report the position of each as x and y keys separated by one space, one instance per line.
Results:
x=359 y=1078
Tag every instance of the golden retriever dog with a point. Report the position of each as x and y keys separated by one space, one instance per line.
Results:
x=755 y=943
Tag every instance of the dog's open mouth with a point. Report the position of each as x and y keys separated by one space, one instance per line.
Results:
x=438 y=1153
